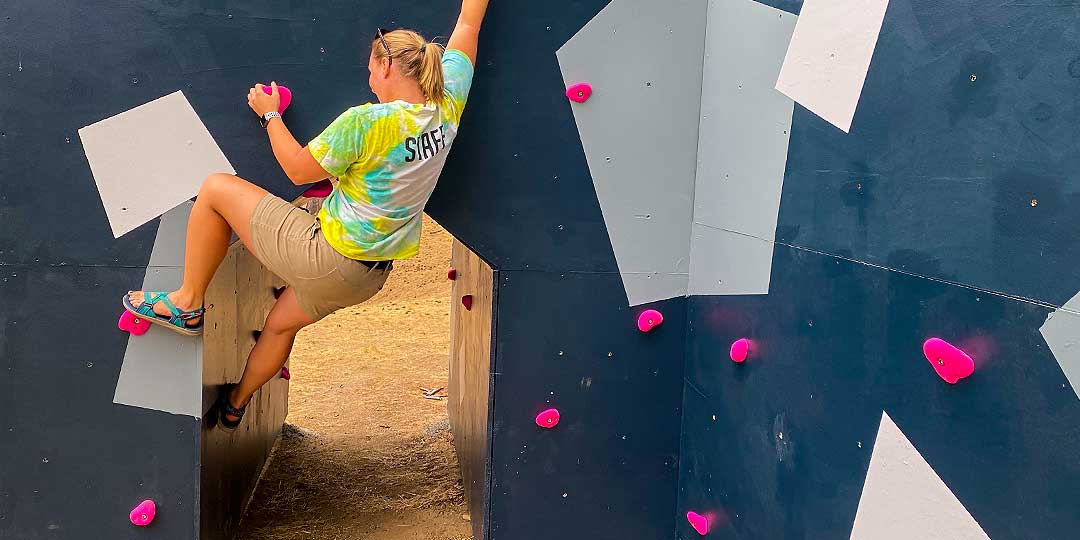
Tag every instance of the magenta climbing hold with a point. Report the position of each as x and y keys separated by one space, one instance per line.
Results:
x=950 y=363
x=649 y=319
x=284 y=93
x=451 y=274
x=699 y=522
x=740 y=350
x=285 y=373
x=579 y=93
x=548 y=419
x=467 y=302
x=321 y=189
x=133 y=324
x=143 y=514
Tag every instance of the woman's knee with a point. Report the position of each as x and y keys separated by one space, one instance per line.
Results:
x=286 y=321
x=217 y=183
x=279 y=329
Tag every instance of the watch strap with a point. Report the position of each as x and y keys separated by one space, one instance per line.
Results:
x=265 y=119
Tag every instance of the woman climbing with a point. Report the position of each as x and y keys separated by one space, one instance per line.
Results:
x=387 y=157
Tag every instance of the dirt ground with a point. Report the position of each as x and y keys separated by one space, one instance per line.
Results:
x=364 y=455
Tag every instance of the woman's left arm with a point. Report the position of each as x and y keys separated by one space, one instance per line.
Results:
x=295 y=160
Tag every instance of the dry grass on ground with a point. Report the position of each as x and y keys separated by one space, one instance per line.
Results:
x=364 y=456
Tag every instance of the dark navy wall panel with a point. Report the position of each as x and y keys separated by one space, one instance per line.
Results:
x=609 y=469
x=962 y=160
x=72 y=463
x=791 y=6
x=64 y=65
x=839 y=342
x=516 y=188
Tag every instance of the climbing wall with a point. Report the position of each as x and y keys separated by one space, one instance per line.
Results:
x=868 y=242
x=105 y=136
x=517 y=190
x=829 y=184
x=926 y=194
x=231 y=463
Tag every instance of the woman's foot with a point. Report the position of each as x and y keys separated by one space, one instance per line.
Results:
x=233 y=401
x=180 y=301
x=229 y=414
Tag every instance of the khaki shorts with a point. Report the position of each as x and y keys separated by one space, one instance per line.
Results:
x=290 y=243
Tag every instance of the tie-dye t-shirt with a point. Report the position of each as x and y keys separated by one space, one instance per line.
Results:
x=388 y=157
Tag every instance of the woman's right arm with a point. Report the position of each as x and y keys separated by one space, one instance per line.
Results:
x=467 y=31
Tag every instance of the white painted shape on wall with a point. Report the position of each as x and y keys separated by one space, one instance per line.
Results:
x=904 y=499
x=149 y=159
x=639 y=132
x=829 y=56
x=163 y=370
x=742 y=148
x=1061 y=331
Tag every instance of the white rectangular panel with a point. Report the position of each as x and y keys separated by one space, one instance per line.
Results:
x=149 y=159
x=829 y=56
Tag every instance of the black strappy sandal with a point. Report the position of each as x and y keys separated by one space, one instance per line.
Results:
x=226 y=408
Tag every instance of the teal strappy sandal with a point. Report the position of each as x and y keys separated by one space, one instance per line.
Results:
x=177 y=322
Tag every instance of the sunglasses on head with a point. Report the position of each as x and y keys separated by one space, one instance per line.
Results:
x=381 y=33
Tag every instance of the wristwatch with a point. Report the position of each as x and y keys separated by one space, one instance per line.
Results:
x=264 y=120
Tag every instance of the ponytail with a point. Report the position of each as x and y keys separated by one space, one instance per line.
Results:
x=418 y=59
x=431 y=75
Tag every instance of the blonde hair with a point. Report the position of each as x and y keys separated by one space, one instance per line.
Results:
x=417 y=58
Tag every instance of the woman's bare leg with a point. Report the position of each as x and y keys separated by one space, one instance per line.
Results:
x=272 y=348
x=225 y=204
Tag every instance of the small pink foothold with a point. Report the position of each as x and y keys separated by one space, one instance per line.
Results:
x=579 y=93
x=133 y=324
x=649 y=319
x=451 y=274
x=699 y=522
x=467 y=302
x=320 y=189
x=950 y=363
x=740 y=350
x=143 y=514
x=285 y=373
x=548 y=419
x=284 y=93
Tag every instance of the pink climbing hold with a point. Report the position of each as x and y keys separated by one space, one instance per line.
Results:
x=699 y=522
x=133 y=324
x=467 y=302
x=649 y=319
x=579 y=93
x=950 y=363
x=321 y=189
x=548 y=419
x=285 y=373
x=740 y=350
x=451 y=274
x=284 y=93
x=143 y=514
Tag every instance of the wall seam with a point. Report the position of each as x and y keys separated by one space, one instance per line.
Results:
x=690 y=263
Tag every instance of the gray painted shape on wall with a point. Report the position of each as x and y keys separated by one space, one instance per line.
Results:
x=903 y=498
x=742 y=149
x=639 y=131
x=729 y=262
x=148 y=159
x=1062 y=333
x=162 y=370
x=172 y=237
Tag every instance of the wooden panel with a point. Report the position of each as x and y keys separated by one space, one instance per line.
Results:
x=232 y=463
x=471 y=353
